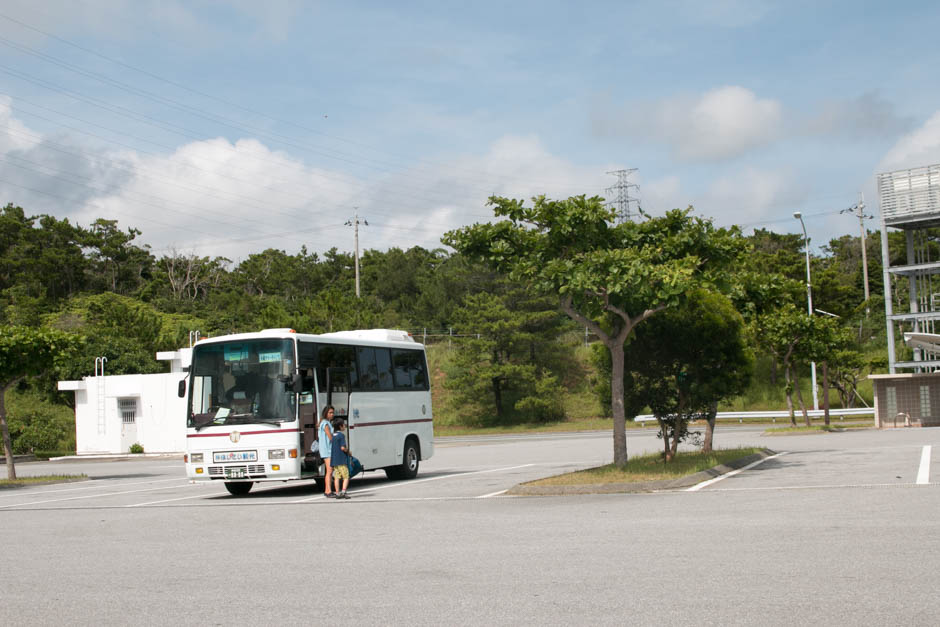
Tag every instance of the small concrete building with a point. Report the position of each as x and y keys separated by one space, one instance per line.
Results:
x=907 y=400
x=112 y=413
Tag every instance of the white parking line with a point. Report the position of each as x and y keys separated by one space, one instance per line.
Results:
x=81 y=486
x=923 y=473
x=414 y=481
x=699 y=486
x=89 y=496
x=486 y=496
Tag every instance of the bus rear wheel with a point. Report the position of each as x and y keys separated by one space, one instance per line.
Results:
x=238 y=488
x=410 y=460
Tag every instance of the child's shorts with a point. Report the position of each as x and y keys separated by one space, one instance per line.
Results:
x=341 y=472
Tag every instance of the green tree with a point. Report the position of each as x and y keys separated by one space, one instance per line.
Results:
x=793 y=337
x=504 y=349
x=608 y=278
x=126 y=331
x=25 y=352
x=118 y=265
x=684 y=361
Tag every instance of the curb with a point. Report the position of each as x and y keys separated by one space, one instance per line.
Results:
x=115 y=457
x=19 y=458
x=639 y=486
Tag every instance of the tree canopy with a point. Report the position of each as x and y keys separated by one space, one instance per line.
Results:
x=607 y=277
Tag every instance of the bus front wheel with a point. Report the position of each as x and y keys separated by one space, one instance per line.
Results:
x=238 y=488
x=410 y=459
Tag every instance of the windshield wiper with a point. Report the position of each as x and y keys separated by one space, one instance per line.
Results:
x=203 y=425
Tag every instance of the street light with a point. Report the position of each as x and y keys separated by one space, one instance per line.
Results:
x=809 y=300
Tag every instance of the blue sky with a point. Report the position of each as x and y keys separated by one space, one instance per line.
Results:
x=224 y=128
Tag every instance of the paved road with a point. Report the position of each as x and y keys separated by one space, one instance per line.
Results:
x=840 y=528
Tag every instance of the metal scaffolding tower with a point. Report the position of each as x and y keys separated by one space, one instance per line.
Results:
x=622 y=200
x=910 y=201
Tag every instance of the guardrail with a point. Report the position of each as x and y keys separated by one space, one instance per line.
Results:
x=773 y=415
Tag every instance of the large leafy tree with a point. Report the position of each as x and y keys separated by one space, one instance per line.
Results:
x=25 y=352
x=607 y=277
x=684 y=361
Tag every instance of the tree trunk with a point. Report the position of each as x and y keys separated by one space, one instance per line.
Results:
x=789 y=395
x=825 y=366
x=799 y=398
x=498 y=397
x=664 y=430
x=615 y=346
x=7 y=443
x=674 y=449
x=710 y=428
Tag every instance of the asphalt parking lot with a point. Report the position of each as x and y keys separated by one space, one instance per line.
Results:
x=837 y=527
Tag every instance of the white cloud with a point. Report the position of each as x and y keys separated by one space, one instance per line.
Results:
x=218 y=198
x=14 y=135
x=720 y=124
x=215 y=197
x=919 y=148
x=723 y=123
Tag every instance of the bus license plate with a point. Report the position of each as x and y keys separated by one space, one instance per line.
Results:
x=235 y=473
x=235 y=456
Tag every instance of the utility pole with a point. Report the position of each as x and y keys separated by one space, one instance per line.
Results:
x=622 y=198
x=858 y=211
x=355 y=222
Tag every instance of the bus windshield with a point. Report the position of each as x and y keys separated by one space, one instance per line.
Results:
x=242 y=382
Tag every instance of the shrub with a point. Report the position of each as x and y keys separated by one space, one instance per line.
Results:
x=136 y=447
x=38 y=425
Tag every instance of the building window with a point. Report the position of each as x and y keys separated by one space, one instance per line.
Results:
x=128 y=409
x=925 y=401
x=892 y=394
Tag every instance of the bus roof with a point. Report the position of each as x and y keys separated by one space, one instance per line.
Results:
x=363 y=335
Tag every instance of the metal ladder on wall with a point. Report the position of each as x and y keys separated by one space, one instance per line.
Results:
x=99 y=385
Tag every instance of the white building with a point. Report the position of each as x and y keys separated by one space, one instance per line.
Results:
x=112 y=413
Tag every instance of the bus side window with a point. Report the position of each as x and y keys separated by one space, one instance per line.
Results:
x=410 y=372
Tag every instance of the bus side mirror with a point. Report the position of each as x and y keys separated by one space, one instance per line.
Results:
x=181 y=390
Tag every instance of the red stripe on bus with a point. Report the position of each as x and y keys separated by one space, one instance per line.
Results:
x=388 y=422
x=227 y=433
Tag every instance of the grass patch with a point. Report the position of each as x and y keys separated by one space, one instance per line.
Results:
x=649 y=467
x=40 y=480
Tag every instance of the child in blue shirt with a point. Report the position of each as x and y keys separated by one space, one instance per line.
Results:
x=339 y=458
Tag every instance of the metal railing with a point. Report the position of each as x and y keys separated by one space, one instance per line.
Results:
x=740 y=416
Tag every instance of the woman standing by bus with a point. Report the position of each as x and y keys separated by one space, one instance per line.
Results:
x=325 y=438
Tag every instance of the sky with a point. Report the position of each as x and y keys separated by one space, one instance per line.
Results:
x=229 y=127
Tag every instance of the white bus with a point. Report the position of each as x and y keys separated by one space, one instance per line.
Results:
x=254 y=401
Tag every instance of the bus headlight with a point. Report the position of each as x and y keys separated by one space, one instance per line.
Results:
x=277 y=453
x=195 y=458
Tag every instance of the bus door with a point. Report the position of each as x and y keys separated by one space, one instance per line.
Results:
x=309 y=410
x=337 y=392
